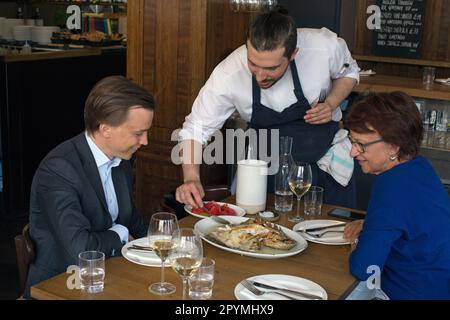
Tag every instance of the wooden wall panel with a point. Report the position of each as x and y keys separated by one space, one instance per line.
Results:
x=166 y=55
x=191 y=57
x=148 y=46
x=135 y=46
x=173 y=47
x=225 y=32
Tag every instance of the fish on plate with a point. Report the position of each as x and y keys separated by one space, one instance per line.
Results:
x=252 y=235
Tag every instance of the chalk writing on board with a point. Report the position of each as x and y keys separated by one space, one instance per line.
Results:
x=401 y=28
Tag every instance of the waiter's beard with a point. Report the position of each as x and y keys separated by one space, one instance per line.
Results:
x=266 y=84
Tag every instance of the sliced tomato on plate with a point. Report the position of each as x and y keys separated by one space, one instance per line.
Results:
x=212 y=208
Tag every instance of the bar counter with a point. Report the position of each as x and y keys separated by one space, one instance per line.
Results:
x=56 y=53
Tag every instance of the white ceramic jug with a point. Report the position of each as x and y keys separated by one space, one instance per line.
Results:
x=251 y=190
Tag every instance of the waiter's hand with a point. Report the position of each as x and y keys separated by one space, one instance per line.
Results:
x=191 y=192
x=319 y=113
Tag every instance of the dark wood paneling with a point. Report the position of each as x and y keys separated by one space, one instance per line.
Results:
x=225 y=32
x=174 y=45
x=135 y=30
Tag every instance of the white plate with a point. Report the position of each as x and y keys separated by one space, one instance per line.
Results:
x=367 y=73
x=142 y=257
x=328 y=238
x=239 y=211
x=445 y=81
x=206 y=226
x=282 y=281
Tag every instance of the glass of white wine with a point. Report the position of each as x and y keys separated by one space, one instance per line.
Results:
x=300 y=179
x=187 y=255
x=160 y=230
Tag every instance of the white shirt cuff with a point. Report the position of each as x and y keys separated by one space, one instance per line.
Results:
x=122 y=232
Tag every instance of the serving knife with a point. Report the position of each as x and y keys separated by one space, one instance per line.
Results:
x=323 y=228
x=297 y=292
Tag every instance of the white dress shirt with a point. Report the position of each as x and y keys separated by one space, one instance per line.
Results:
x=321 y=59
x=104 y=165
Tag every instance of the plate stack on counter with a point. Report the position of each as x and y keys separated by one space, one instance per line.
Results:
x=43 y=34
x=7 y=27
x=22 y=33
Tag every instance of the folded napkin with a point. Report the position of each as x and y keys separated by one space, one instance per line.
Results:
x=148 y=258
x=292 y=286
x=337 y=161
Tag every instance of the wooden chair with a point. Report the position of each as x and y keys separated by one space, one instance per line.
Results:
x=212 y=193
x=25 y=255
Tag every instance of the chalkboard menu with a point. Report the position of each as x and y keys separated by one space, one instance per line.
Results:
x=401 y=28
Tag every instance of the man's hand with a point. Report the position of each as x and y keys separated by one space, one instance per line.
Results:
x=191 y=192
x=130 y=238
x=319 y=113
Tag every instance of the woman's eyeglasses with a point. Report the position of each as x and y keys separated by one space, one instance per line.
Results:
x=361 y=147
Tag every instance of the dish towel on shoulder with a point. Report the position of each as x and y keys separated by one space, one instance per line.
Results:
x=337 y=161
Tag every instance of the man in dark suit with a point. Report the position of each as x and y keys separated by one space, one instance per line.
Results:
x=81 y=196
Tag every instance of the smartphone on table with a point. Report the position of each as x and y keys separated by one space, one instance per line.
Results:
x=346 y=214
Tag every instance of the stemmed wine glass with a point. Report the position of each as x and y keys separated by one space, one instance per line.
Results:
x=187 y=255
x=300 y=179
x=160 y=230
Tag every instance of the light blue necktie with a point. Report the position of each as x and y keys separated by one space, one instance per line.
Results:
x=108 y=187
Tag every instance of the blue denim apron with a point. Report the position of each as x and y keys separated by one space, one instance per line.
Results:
x=310 y=142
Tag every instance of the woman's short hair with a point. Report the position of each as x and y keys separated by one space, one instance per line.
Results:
x=393 y=115
x=111 y=98
x=271 y=30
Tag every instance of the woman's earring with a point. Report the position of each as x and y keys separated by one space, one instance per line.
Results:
x=392 y=158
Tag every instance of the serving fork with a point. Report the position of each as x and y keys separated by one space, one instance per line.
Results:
x=250 y=287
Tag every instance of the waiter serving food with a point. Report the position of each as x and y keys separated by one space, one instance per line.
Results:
x=274 y=81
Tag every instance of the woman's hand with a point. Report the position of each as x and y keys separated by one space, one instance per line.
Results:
x=352 y=231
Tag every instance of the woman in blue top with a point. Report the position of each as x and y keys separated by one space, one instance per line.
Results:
x=406 y=233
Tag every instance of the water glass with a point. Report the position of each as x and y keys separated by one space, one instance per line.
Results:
x=92 y=271
x=429 y=74
x=313 y=201
x=201 y=282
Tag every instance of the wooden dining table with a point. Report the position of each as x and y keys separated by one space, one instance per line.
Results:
x=327 y=265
